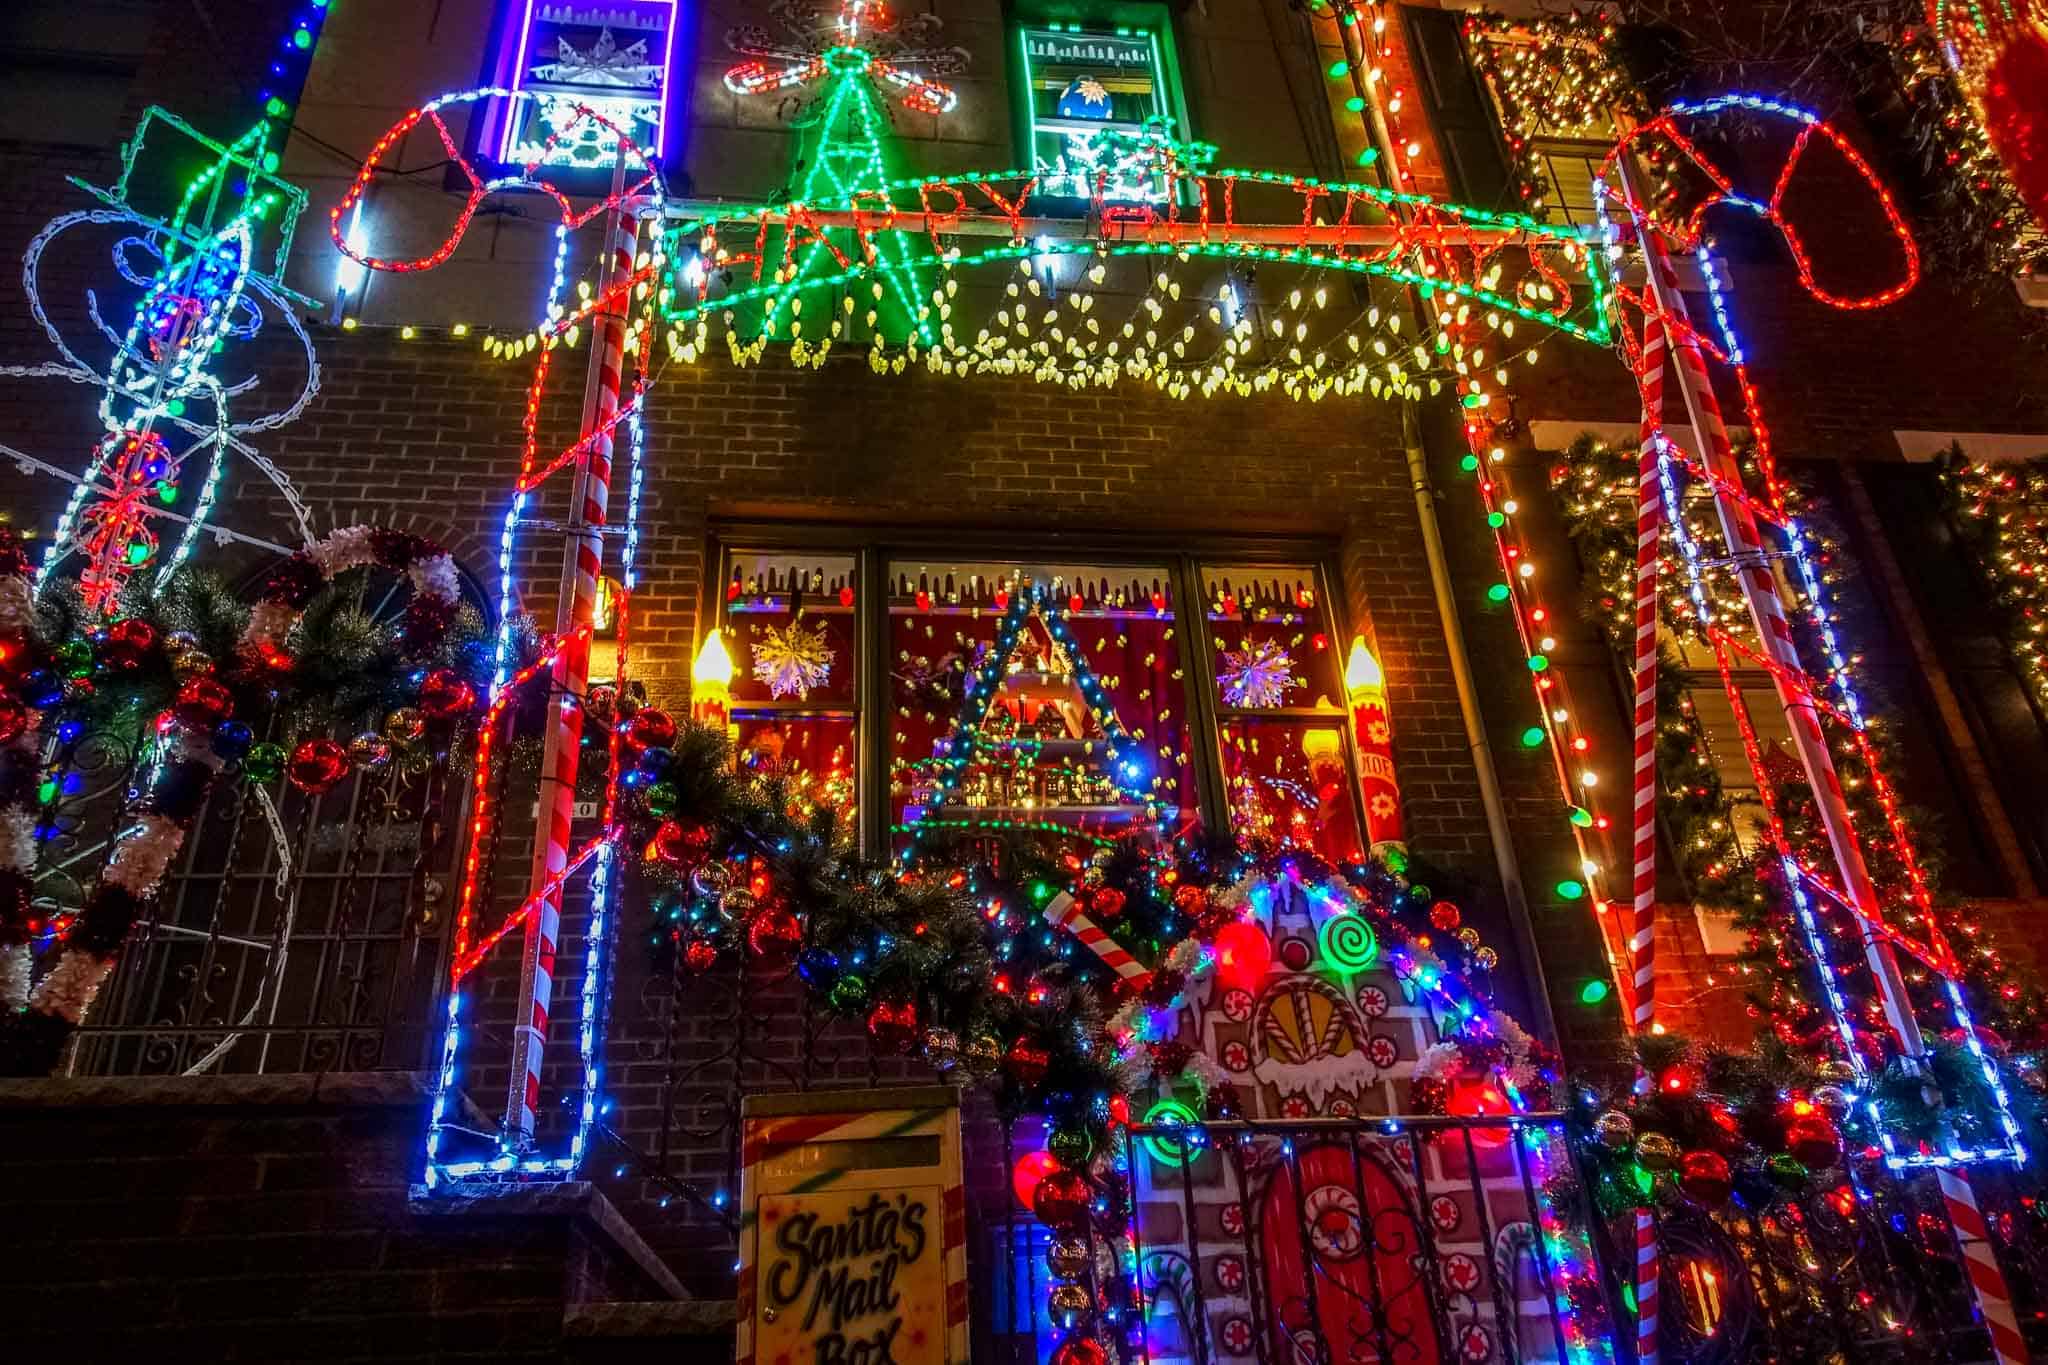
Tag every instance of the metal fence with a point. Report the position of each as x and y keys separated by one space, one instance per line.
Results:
x=294 y=933
x=1328 y=1240
x=1860 y=1270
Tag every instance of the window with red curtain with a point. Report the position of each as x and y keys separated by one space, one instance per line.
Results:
x=792 y=628
x=1114 y=695
x=1085 y=727
x=1280 y=709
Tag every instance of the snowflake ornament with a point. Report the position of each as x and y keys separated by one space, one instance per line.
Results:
x=792 y=660
x=1257 y=675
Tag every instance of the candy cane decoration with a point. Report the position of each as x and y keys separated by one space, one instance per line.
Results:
x=576 y=608
x=1649 y=525
x=1646 y=1288
x=1062 y=912
x=1994 y=1300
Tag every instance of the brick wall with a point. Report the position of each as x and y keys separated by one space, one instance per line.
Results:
x=268 y=1218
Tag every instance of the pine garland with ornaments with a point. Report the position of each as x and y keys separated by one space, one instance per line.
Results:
x=196 y=686
x=951 y=956
x=1596 y=487
x=1707 y=1125
x=969 y=956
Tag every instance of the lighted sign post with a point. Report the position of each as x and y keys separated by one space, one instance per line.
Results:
x=853 y=1228
x=1366 y=687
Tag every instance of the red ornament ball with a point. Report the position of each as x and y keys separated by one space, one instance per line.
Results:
x=135 y=636
x=1029 y=1169
x=1244 y=953
x=1028 y=1062
x=1813 y=1142
x=1444 y=916
x=650 y=728
x=1080 y=1350
x=775 y=936
x=699 y=955
x=14 y=719
x=204 y=703
x=1061 y=1201
x=316 y=765
x=444 y=694
x=681 y=845
x=1705 y=1178
x=893 y=1025
x=1107 y=903
x=1679 y=1079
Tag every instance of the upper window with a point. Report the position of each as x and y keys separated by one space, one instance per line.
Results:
x=1090 y=93
x=1557 y=128
x=612 y=57
x=949 y=695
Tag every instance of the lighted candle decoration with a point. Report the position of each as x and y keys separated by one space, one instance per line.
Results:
x=1366 y=686
x=711 y=684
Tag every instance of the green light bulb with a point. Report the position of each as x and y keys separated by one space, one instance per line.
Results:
x=1593 y=992
x=1532 y=737
x=1570 y=890
x=1538 y=663
x=1498 y=592
x=1339 y=69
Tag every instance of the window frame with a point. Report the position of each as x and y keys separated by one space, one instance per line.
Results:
x=1109 y=18
x=1180 y=558
x=484 y=142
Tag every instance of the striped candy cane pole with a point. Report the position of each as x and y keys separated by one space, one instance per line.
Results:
x=1646 y=1288
x=1642 y=941
x=576 y=606
x=1994 y=1300
x=1063 y=913
x=1774 y=633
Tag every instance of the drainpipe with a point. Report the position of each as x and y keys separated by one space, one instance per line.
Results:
x=1541 y=1019
x=1488 y=781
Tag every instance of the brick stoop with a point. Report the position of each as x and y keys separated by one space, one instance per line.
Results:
x=273 y=1218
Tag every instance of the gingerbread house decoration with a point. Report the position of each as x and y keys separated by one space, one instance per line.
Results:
x=1390 y=1241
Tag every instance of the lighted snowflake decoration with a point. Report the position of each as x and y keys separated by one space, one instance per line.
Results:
x=792 y=660
x=1257 y=675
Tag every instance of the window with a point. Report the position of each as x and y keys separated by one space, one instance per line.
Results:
x=939 y=694
x=1088 y=93
x=791 y=627
x=611 y=56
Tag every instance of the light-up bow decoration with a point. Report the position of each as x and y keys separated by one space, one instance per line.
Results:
x=163 y=402
x=858 y=38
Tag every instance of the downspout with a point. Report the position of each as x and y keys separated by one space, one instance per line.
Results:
x=1513 y=894
x=1488 y=779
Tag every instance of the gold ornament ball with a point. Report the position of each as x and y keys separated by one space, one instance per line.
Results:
x=1835 y=1073
x=1469 y=936
x=1067 y=1258
x=1832 y=1100
x=942 y=1048
x=1487 y=958
x=404 y=725
x=1070 y=1303
x=736 y=904
x=983 y=1053
x=368 y=750
x=187 y=664
x=1615 y=1130
x=1657 y=1152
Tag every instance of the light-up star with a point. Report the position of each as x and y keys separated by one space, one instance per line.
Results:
x=858 y=37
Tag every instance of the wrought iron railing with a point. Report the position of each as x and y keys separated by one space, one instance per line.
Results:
x=1329 y=1240
x=294 y=933
x=1860 y=1269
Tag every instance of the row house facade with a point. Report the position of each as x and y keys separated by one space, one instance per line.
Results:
x=229 y=1159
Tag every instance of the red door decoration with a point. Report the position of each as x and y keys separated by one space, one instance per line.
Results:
x=1365 y=1261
